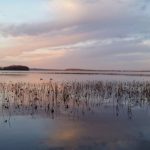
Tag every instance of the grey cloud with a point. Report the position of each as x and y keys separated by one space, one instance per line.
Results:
x=119 y=25
x=105 y=28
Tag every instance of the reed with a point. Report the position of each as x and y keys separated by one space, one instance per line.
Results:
x=73 y=98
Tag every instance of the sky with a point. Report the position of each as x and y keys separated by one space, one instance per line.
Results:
x=90 y=34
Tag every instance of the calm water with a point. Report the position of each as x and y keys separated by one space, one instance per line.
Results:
x=79 y=118
x=35 y=76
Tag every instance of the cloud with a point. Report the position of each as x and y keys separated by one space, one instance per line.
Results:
x=93 y=33
x=112 y=17
x=32 y=57
x=69 y=13
x=146 y=43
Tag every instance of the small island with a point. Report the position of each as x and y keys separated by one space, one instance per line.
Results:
x=15 y=68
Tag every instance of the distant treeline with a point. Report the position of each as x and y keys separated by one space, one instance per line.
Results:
x=16 y=68
x=74 y=69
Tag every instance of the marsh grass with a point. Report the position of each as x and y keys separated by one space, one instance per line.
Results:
x=72 y=98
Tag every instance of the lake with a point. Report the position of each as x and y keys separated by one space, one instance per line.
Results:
x=51 y=111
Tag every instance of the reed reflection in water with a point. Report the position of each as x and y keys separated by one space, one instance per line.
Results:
x=74 y=99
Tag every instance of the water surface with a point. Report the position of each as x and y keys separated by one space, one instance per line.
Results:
x=89 y=112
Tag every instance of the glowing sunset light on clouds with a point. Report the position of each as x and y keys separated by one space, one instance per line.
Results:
x=96 y=34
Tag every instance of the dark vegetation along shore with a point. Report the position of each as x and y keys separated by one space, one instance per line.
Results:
x=15 y=68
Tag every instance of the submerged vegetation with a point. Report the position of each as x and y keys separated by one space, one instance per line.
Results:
x=72 y=98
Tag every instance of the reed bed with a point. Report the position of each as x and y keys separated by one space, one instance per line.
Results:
x=72 y=98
